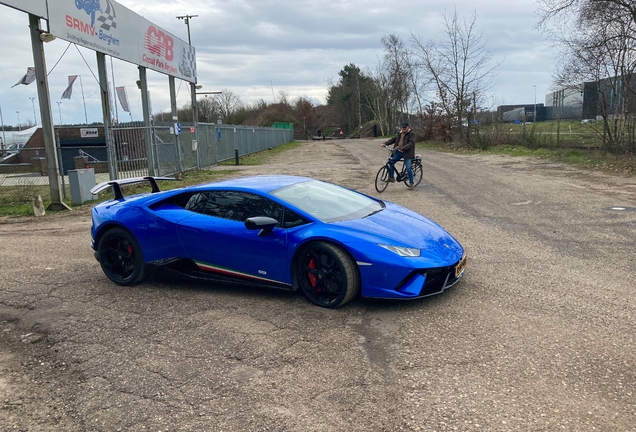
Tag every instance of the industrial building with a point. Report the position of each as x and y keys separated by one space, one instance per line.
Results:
x=588 y=101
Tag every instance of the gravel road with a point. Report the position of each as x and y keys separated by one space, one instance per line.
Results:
x=539 y=335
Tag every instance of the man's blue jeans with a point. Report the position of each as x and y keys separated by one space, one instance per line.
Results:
x=407 y=162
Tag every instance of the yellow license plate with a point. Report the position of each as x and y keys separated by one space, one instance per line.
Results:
x=461 y=266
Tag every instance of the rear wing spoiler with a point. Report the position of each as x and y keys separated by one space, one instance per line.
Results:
x=116 y=185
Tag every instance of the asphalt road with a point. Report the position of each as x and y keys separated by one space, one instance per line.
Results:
x=539 y=335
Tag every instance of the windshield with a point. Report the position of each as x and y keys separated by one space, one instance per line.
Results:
x=328 y=202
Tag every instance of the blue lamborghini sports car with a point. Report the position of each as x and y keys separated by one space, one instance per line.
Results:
x=288 y=232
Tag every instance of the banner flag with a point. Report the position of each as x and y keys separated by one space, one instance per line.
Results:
x=28 y=78
x=123 y=98
x=69 y=90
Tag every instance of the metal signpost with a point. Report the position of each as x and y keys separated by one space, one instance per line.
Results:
x=111 y=29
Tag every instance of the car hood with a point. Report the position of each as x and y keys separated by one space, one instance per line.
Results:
x=406 y=228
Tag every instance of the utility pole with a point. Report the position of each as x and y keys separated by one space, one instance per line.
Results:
x=35 y=119
x=4 y=139
x=59 y=111
x=45 y=116
x=359 y=102
x=534 y=118
x=186 y=18
x=193 y=88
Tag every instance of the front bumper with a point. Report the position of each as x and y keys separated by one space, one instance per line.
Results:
x=417 y=283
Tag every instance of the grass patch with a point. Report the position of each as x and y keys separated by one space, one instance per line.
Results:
x=584 y=158
x=18 y=202
x=9 y=208
x=189 y=178
x=195 y=177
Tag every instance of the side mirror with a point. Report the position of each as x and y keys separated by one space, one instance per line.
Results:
x=263 y=223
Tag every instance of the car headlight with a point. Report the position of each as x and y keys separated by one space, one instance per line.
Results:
x=402 y=251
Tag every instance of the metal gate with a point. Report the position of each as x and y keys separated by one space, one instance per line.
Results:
x=169 y=153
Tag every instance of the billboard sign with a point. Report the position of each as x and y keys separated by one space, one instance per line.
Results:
x=110 y=28
x=34 y=7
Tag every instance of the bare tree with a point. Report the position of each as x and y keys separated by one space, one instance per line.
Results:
x=598 y=47
x=283 y=98
x=228 y=102
x=460 y=66
x=397 y=65
x=207 y=109
x=566 y=12
x=304 y=109
x=305 y=113
x=376 y=98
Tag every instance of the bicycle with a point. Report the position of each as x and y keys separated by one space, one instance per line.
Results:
x=382 y=177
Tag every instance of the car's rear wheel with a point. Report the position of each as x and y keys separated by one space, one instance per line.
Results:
x=327 y=275
x=121 y=258
x=382 y=179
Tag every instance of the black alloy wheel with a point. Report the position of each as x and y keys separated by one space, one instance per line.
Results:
x=327 y=275
x=382 y=179
x=121 y=258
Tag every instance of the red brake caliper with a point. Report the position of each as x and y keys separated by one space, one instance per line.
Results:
x=129 y=249
x=312 y=277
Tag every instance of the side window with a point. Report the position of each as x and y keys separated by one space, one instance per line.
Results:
x=238 y=206
x=195 y=203
x=292 y=219
x=234 y=205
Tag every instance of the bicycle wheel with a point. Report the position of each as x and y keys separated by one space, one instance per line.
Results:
x=418 y=172
x=405 y=175
x=381 y=179
x=417 y=175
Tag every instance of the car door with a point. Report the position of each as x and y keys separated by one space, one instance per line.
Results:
x=217 y=240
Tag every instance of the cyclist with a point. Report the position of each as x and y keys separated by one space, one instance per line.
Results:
x=404 y=146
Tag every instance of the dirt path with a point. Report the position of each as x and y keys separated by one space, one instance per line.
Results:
x=538 y=336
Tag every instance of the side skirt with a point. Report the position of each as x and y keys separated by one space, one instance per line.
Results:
x=188 y=268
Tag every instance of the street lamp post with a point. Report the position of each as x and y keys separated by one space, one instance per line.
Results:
x=193 y=89
x=186 y=18
x=534 y=118
x=35 y=119
x=19 y=127
x=59 y=111
x=207 y=108
x=4 y=139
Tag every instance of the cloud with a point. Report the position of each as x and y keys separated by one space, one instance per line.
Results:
x=253 y=47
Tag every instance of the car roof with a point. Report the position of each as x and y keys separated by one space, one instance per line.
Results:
x=260 y=183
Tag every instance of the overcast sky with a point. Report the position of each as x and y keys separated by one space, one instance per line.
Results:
x=259 y=48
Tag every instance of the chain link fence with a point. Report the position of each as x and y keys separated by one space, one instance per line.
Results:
x=24 y=173
x=21 y=177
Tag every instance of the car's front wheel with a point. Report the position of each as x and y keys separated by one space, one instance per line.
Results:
x=121 y=258
x=326 y=274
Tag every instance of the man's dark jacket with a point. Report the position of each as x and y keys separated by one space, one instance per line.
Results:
x=408 y=145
